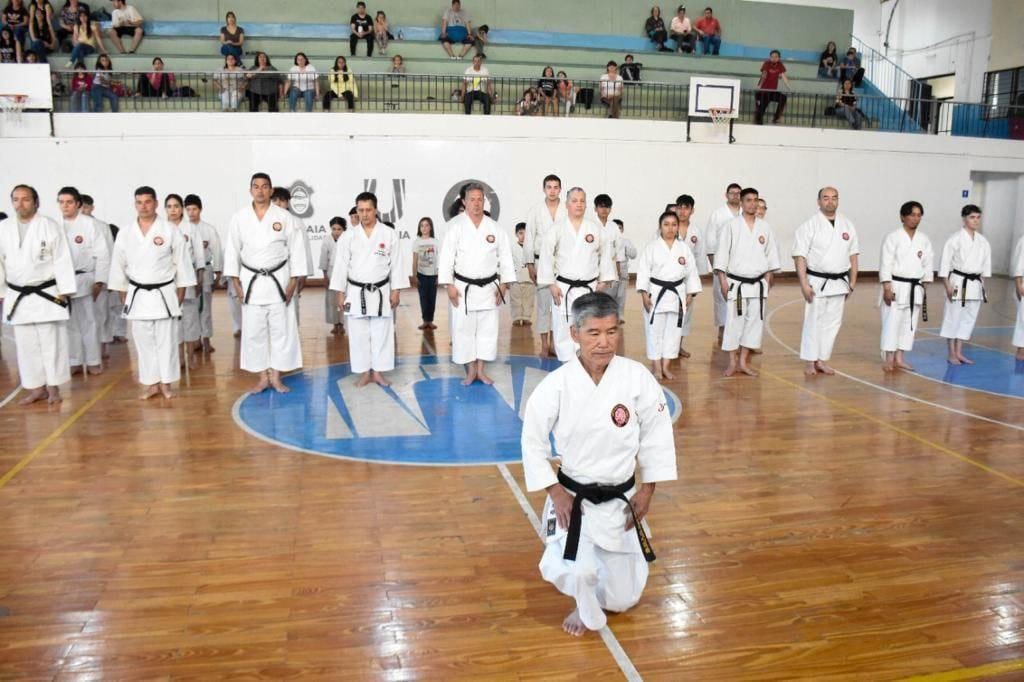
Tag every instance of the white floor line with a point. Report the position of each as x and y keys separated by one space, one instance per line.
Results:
x=616 y=650
x=10 y=397
x=771 y=333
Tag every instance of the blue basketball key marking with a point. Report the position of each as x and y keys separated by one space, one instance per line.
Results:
x=426 y=416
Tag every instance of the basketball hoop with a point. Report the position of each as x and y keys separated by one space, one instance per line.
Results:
x=13 y=106
x=720 y=118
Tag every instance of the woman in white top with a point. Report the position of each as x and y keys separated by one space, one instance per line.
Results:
x=231 y=82
x=424 y=267
x=611 y=89
x=303 y=81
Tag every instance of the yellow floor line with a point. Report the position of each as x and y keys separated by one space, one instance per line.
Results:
x=979 y=672
x=56 y=433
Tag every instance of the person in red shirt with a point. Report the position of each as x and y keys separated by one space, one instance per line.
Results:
x=710 y=31
x=768 y=87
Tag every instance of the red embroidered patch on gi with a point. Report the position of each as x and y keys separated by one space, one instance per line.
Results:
x=277 y=227
x=620 y=415
x=159 y=241
x=79 y=239
x=846 y=236
x=920 y=254
x=490 y=239
x=693 y=239
x=760 y=240
x=381 y=245
x=590 y=239
x=682 y=260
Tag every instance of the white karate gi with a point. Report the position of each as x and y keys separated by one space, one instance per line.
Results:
x=745 y=252
x=903 y=257
x=102 y=308
x=208 y=239
x=538 y=223
x=1017 y=270
x=300 y=225
x=827 y=249
x=40 y=326
x=662 y=325
x=332 y=315
x=189 y=325
x=90 y=253
x=610 y=571
x=581 y=255
x=522 y=292
x=610 y=232
x=625 y=253
x=971 y=256
x=161 y=255
x=695 y=239
x=475 y=253
x=712 y=236
x=270 y=334
x=374 y=259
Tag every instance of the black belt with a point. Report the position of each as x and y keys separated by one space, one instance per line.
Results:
x=759 y=281
x=963 y=292
x=574 y=284
x=596 y=493
x=372 y=287
x=36 y=289
x=830 y=277
x=265 y=272
x=480 y=282
x=149 y=287
x=915 y=283
x=666 y=287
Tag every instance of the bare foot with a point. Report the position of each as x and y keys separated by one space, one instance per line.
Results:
x=755 y=351
x=824 y=369
x=364 y=380
x=278 y=386
x=729 y=371
x=95 y=369
x=165 y=389
x=34 y=395
x=903 y=365
x=470 y=378
x=76 y=369
x=964 y=359
x=573 y=625
x=668 y=375
x=889 y=367
x=207 y=348
x=53 y=395
x=684 y=353
x=749 y=371
x=261 y=385
x=953 y=360
x=104 y=353
x=484 y=379
x=192 y=361
x=811 y=369
x=379 y=379
x=149 y=392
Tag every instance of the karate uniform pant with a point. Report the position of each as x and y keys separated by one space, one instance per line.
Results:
x=475 y=334
x=721 y=304
x=156 y=350
x=746 y=330
x=897 y=332
x=687 y=323
x=118 y=325
x=544 y=305
x=662 y=336
x=521 y=297
x=822 y=318
x=371 y=343
x=565 y=347
x=332 y=314
x=188 y=330
x=235 y=306
x=1018 y=332
x=958 y=321
x=101 y=311
x=598 y=580
x=83 y=334
x=270 y=338
x=620 y=297
x=42 y=349
x=206 y=316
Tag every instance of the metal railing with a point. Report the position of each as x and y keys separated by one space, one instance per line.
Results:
x=202 y=91
x=885 y=75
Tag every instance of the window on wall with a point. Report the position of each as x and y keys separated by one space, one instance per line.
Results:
x=1004 y=93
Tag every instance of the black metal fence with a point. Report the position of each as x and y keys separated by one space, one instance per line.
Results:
x=220 y=91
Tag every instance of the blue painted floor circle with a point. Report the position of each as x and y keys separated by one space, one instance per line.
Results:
x=426 y=417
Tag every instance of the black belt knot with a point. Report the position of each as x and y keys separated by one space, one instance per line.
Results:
x=574 y=284
x=759 y=281
x=830 y=277
x=479 y=282
x=914 y=284
x=265 y=272
x=595 y=493
x=139 y=286
x=372 y=287
x=34 y=290
x=667 y=286
x=976 y=276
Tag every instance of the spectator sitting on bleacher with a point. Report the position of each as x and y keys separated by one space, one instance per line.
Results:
x=477 y=86
x=42 y=39
x=566 y=93
x=15 y=17
x=304 y=82
x=481 y=38
x=849 y=68
x=398 y=65
x=360 y=28
x=156 y=83
x=631 y=70
x=828 y=62
x=611 y=89
x=456 y=28
x=547 y=92
x=83 y=39
x=10 y=48
x=710 y=31
x=103 y=85
x=265 y=83
x=846 y=105
x=125 y=21
x=81 y=83
x=768 y=88
x=66 y=20
x=342 y=84
x=231 y=83
x=381 y=33
x=682 y=32
x=529 y=104
x=654 y=27
x=232 y=37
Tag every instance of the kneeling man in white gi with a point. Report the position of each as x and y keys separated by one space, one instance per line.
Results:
x=476 y=265
x=613 y=433
x=966 y=261
x=37 y=279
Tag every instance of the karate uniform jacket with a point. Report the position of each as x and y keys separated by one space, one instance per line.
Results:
x=746 y=252
x=538 y=224
x=669 y=265
x=160 y=255
x=1017 y=260
x=264 y=244
x=476 y=253
x=193 y=249
x=973 y=256
x=827 y=249
x=43 y=255
x=369 y=260
x=696 y=239
x=327 y=251
x=906 y=257
x=90 y=253
x=208 y=240
x=625 y=253
x=582 y=255
x=718 y=219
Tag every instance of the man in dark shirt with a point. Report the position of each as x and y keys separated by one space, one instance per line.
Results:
x=361 y=26
x=768 y=87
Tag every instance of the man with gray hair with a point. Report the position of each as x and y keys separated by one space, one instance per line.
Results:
x=476 y=265
x=575 y=258
x=611 y=426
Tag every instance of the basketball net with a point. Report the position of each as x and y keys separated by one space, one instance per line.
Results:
x=719 y=118
x=13 y=106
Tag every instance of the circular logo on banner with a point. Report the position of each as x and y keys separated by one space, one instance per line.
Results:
x=301 y=203
x=277 y=227
x=589 y=238
x=682 y=260
x=760 y=240
x=426 y=416
x=492 y=205
x=693 y=239
x=846 y=236
x=490 y=239
x=159 y=241
x=79 y=239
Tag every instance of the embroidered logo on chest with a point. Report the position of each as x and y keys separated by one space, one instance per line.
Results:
x=620 y=415
x=159 y=241
x=693 y=239
x=490 y=239
x=206 y=244
x=682 y=260
x=79 y=239
x=846 y=236
x=761 y=240
x=277 y=227
x=185 y=236
x=920 y=254
x=589 y=238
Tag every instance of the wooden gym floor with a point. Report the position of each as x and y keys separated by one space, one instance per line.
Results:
x=863 y=526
